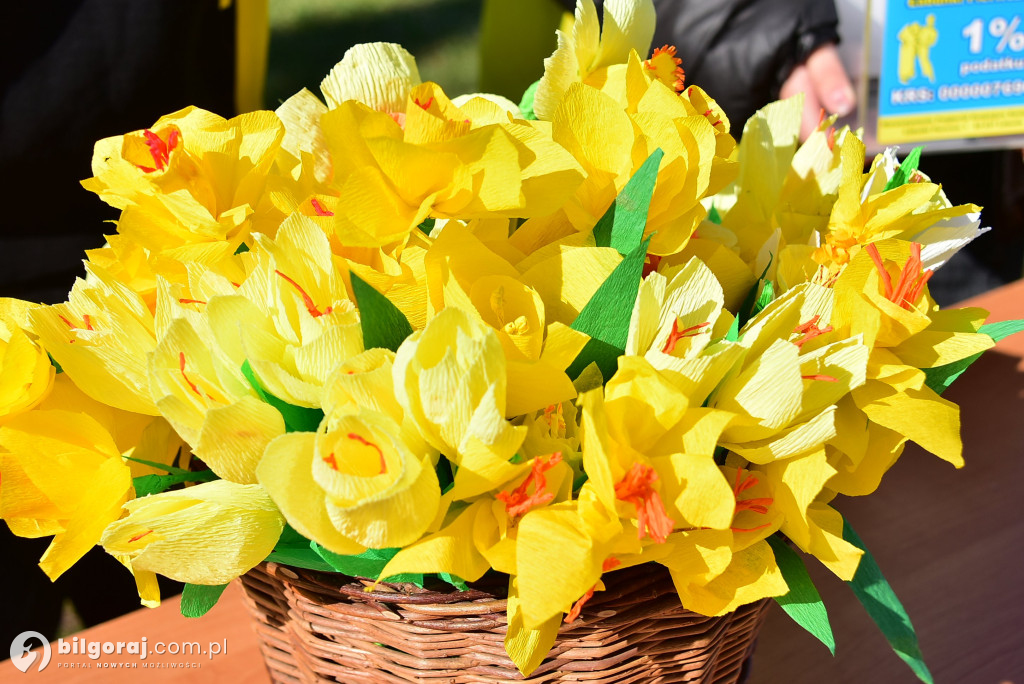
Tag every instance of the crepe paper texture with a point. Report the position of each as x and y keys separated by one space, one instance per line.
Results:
x=198 y=599
x=802 y=603
x=879 y=600
x=386 y=333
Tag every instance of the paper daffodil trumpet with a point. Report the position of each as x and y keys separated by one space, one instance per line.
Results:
x=419 y=338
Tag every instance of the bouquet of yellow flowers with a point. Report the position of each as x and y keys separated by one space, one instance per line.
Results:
x=394 y=334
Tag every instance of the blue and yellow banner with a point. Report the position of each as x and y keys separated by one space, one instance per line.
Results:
x=951 y=69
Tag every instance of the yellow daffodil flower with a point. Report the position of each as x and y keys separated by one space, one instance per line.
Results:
x=101 y=337
x=451 y=380
x=26 y=374
x=587 y=52
x=63 y=472
x=206 y=534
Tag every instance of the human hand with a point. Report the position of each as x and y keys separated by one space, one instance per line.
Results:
x=825 y=85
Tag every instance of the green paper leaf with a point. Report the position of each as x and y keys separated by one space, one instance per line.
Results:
x=368 y=564
x=526 y=104
x=383 y=324
x=198 y=599
x=295 y=550
x=734 y=330
x=296 y=418
x=714 y=216
x=427 y=226
x=606 y=316
x=1002 y=329
x=242 y=249
x=939 y=378
x=765 y=298
x=622 y=226
x=53 y=362
x=906 y=169
x=878 y=598
x=154 y=484
x=749 y=307
x=802 y=603
x=601 y=356
x=454 y=580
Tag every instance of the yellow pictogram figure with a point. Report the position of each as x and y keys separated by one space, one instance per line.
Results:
x=916 y=43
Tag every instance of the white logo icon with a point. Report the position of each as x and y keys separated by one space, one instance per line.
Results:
x=23 y=657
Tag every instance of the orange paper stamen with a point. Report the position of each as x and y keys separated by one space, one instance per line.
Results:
x=677 y=334
x=637 y=488
x=912 y=278
x=518 y=502
x=609 y=564
x=759 y=505
x=810 y=330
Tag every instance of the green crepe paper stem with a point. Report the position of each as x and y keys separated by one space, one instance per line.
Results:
x=606 y=316
x=526 y=104
x=296 y=418
x=53 y=362
x=905 y=170
x=198 y=599
x=384 y=326
x=622 y=226
x=802 y=603
x=154 y=484
x=940 y=378
x=878 y=598
x=427 y=226
x=159 y=466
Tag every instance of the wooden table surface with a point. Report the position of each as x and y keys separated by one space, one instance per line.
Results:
x=950 y=542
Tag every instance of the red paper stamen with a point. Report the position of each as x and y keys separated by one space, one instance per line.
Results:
x=319 y=208
x=192 y=385
x=824 y=378
x=362 y=440
x=306 y=299
x=139 y=536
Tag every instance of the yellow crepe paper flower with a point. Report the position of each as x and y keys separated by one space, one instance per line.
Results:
x=592 y=49
x=463 y=272
x=101 y=337
x=26 y=374
x=450 y=378
x=193 y=184
x=882 y=295
x=63 y=472
x=209 y=533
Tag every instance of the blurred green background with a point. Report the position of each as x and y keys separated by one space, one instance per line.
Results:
x=308 y=37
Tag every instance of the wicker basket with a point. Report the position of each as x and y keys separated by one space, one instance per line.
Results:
x=319 y=627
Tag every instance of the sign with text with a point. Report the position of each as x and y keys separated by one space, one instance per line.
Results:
x=951 y=69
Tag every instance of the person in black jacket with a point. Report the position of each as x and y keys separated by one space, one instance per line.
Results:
x=747 y=53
